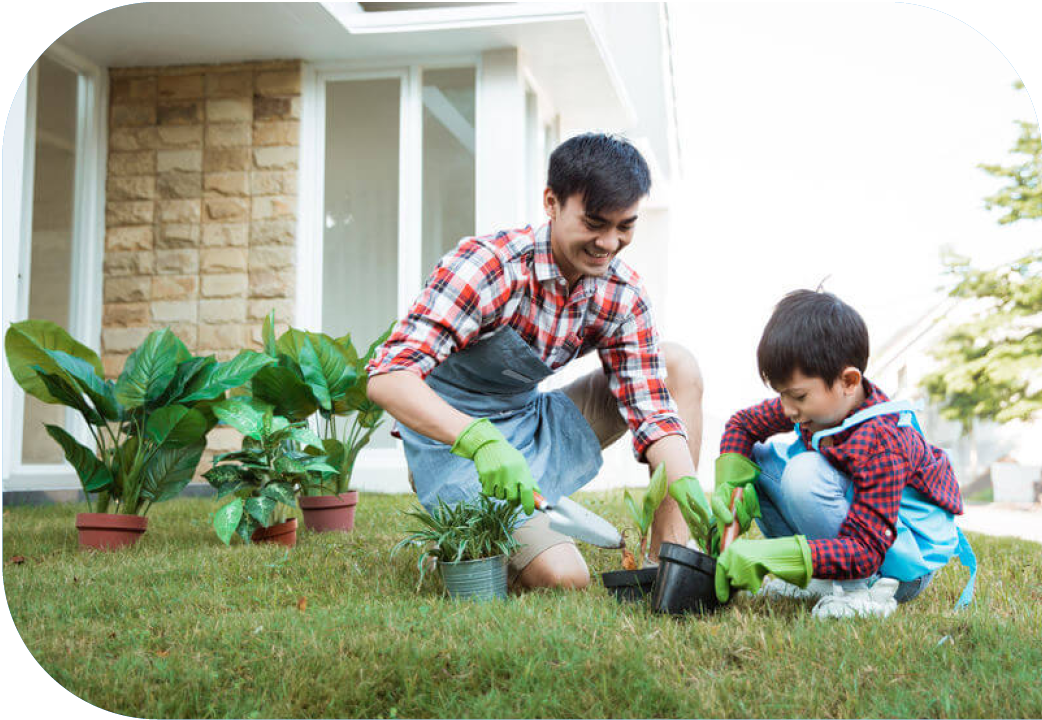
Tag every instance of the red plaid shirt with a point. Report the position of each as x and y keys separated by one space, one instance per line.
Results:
x=880 y=458
x=511 y=278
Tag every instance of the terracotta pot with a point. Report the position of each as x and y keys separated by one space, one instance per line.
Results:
x=329 y=512
x=108 y=531
x=284 y=533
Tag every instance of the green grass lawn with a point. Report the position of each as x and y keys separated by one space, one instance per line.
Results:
x=181 y=625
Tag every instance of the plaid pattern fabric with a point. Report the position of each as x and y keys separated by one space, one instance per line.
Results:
x=510 y=278
x=880 y=458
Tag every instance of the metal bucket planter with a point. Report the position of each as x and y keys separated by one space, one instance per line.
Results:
x=686 y=581
x=323 y=513
x=109 y=531
x=484 y=579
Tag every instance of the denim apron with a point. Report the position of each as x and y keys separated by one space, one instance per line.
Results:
x=496 y=377
x=927 y=536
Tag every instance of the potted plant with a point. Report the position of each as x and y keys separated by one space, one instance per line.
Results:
x=149 y=426
x=469 y=542
x=635 y=582
x=263 y=477
x=686 y=575
x=316 y=374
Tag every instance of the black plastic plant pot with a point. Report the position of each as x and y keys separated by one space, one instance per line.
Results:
x=685 y=582
x=630 y=585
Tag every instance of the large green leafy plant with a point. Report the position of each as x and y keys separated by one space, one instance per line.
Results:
x=265 y=476
x=149 y=426
x=481 y=528
x=313 y=372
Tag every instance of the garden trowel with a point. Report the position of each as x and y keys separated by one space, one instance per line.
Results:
x=572 y=519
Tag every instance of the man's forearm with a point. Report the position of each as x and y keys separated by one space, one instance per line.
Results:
x=669 y=525
x=410 y=401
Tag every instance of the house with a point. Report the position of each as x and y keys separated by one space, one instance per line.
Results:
x=904 y=360
x=199 y=164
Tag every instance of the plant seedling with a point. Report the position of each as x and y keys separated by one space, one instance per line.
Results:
x=643 y=516
x=265 y=475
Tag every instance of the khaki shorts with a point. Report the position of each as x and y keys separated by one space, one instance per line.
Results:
x=593 y=397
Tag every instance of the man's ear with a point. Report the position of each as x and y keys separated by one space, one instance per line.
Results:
x=550 y=204
x=851 y=378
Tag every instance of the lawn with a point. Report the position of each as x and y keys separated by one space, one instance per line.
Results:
x=181 y=625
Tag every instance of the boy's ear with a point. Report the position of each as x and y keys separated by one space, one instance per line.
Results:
x=851 y=378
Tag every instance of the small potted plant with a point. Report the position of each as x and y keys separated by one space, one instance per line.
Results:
x=469 y=542
x=635 y=581
x=314 y=373
x=149 y=426
x=686 y=580
x=263 y=477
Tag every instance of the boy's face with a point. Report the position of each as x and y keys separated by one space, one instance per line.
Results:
x=584 y=244
x=816 y=405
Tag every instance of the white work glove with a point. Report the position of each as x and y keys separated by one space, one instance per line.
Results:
x=877 y=600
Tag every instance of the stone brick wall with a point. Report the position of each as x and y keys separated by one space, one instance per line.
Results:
x=201 y=206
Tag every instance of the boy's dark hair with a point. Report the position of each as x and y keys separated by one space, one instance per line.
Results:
x=815 y=333
x=605 y=170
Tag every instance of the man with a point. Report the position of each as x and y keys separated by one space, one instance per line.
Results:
x=500 y=313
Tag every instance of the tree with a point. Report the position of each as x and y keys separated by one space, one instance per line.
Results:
x=991 y=365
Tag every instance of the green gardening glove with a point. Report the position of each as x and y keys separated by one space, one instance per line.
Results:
x=695 y=510
x=743 y=564
x=502 y=469
x=735 y=470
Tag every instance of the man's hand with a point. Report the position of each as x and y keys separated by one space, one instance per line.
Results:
x=735 y=470
x=502 y=469
x=744 y=563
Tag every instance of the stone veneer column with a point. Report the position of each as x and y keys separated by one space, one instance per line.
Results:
x=201 y=205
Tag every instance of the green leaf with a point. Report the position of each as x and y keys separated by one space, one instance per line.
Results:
x=268 y=334
x=289 y=466
x=226 y=519
x=226 y=376
x=347 y=349
x=26 y=344
x=175 y=426
x=231 y=487
x=150 y=369
x=280 y=492
x=321 y=467
x=246 y=528
x=281 y=387
x=335 y=452
x=371 y=352
x=635 y=513
x=185 y=374
x=99 y=390
x=71 y=396
x=220 y=475
x=93 y=474
x=169 y=470
x=244 y=414
x=657 y=488
x=290 y=343
x=306 y=437
x=260 y=508
x=315 y=372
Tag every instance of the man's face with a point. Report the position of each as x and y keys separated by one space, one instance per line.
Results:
x=814 y=404
x=584 y=244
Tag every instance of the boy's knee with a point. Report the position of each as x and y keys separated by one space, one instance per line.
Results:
x=683 y=375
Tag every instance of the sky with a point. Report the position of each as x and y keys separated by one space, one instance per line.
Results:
x=834 y=142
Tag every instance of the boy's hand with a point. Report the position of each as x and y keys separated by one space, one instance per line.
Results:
x=744 y=563
x=735 y=470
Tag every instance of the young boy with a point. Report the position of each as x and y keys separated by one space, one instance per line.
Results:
x=860 y=495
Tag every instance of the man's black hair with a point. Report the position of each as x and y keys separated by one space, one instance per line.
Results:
x=604 y=170
x=815 y=333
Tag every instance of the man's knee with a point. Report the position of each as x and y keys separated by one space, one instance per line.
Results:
x=560 y=566
x=682 y=370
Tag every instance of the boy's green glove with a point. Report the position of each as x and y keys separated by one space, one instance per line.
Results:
x=743 y=564
x=695 y=509
x=735 y=470
x=502 y=469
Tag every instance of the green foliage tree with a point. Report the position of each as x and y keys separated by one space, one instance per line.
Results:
x=991 y=365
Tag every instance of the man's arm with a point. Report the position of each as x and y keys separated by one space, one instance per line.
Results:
x=410 y=401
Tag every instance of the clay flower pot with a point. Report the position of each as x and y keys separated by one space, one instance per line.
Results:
x=284 y=533
x=108 y=531
x=329 y=512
